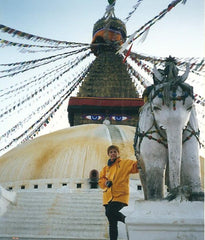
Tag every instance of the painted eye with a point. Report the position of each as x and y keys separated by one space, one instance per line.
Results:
x=119 y=118
x=93 y=117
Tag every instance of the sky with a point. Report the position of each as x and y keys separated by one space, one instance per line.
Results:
x=180 y=33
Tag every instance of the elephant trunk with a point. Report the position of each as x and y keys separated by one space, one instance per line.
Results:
x=174 y=138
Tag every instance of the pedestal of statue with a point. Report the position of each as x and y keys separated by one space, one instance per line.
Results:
x=163 y=220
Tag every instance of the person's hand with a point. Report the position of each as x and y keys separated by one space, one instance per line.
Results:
x=108 y=184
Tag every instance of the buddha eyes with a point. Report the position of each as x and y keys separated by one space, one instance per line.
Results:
x=119 y=118
x=94 y=117
x=97 y=117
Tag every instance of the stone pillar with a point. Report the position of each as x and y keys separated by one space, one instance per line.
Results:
x=163 y=220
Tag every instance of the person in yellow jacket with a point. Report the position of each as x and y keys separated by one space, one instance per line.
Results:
x=114 y=180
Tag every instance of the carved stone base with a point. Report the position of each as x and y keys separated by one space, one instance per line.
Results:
x=163 y=220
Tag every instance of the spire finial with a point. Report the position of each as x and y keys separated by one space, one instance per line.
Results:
x=110 y=9
x=111 y=2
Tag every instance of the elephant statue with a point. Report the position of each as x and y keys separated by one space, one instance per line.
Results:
x=167 y=137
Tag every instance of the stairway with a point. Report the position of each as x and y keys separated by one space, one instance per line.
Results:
x=55 y=215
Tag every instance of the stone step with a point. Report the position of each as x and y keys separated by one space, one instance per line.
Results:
x=83 y=201
x=52 y=238
x=79 y=217
x=70 y=236
x=56 y=203
x=52 y=225
x=95 y=193
x=53 y=215
x=65 y=195
x=39 y=232
x=36 y=217
x=68 y=219
x=56 y=210
x=64 y=201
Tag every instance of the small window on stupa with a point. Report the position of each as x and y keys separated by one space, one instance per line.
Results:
x=139 y=187
x=79 y=185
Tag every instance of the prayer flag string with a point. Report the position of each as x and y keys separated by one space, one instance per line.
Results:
x=196 y=65
x=131 y=13
x=45 y=118
x=147 y=26
x=32 y=64
x=32 y=37
x=6 y=43
x=36 y=92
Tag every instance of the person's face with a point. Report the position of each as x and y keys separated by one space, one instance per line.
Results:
x=113 y=154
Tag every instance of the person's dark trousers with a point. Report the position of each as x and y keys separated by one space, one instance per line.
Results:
x=113 y=215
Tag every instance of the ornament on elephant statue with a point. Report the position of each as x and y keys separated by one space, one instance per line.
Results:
x=167 y=137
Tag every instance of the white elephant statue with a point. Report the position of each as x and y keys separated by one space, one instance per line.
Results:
x=167 y=137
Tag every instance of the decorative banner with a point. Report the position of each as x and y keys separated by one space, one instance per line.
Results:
x=25 y=64
x=5 y=43
x=37 y=110
x=153 y=60
x=32 y=95
x=127 y=54
x=138 y=76
x=143 y=81
x=144 y=36
x=196 y=66
x=50 y=57
x=25 y=48
x=45 y=119
x=137 y=58
x=147 y=25
x=199 y=99
x=141 y=64
x=130 y=13
x=26 y=83
x=32 y=37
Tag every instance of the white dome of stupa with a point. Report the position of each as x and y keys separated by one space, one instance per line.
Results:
x=68 y=153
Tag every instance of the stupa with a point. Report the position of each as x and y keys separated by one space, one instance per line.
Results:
x=108 y=91
x=55 y=175
x=107 y=95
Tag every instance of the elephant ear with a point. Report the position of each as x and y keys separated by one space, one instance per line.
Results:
x=147 y=91
x=193 y=121
x=157 y=75
x=146 y=118
x=144 y=124
x=186 y=73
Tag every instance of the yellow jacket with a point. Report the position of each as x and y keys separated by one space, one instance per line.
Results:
x=118 y=173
